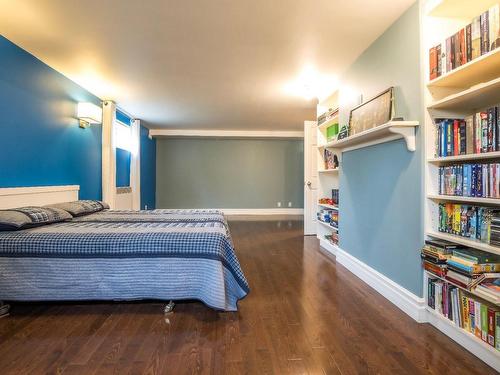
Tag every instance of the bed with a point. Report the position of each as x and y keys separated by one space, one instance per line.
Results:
x=125 y=255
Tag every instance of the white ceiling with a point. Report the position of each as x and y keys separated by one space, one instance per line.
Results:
x=205 y=64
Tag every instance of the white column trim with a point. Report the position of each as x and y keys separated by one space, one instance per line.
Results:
x=108 y=153
x=135 y=166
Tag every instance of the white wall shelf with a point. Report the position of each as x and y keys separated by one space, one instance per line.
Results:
x=469 y=100
x=468 y=157
x=481 y=69
x=326 y=225
x=465 y=241
x=453 y=198
x=330 y=206
x=387 y=132
x=328 y=170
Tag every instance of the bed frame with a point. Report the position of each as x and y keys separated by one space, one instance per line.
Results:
x=37 y=196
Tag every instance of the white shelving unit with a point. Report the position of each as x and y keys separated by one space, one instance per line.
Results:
x=328 y=179
x=461 y=92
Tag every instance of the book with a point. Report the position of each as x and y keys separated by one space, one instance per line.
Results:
x=433 y=63
x=476 y=37
x=485 y=38
x=491 y=327
x=484 y=323
x=462 y=53
x=497 y=330
x=494 y=26
x=468 y=41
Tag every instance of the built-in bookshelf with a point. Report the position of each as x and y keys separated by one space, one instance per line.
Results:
x=456 y=94
x=328 y=176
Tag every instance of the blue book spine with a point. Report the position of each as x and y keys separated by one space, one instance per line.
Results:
x=459 y=265
x=466 y=180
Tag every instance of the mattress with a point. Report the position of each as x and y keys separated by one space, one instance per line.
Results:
x=116 y=259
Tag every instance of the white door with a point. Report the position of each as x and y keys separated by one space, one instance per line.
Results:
x=310 y=177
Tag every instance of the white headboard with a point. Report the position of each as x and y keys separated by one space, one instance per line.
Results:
x=37 y=196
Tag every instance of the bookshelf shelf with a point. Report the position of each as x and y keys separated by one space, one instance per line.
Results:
x=328 y=170
x=389 y=131
x=326 y=225
x=470 y=291
x=328 y=206
x=453 y=198
x=482 y=69
x=468 y=157
x=464 y=241
x=464 y=9
x=476 y=346
x=469 y=100
x=328 y=123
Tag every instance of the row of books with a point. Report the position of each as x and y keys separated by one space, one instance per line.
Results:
x=479 y=37
x=329 y=216
x=478 y=133
x=330 y=159
x=467 y=221
x=331 y=113
x=466 y=312
x=470 y=180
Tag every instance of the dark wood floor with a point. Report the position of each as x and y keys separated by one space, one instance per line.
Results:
x=304 y=315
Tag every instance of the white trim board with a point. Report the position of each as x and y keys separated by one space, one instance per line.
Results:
x=225 y=133
x=408 y=302
x=261 y=211
x=37 y=195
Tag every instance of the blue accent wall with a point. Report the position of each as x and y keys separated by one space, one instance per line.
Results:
x=40 y=141
x=381 y=187
x=123 y=158
x=148 y=170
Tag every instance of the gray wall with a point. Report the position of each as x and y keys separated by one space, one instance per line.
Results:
x=381 y=186
x=229 y=173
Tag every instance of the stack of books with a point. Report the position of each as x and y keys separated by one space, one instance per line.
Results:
x=468 y=313
x=488 y=286
x=470 y=180
x=474 y=40
x=475 y=134
x=466 y=221
x=435 y=253
x=329 y=216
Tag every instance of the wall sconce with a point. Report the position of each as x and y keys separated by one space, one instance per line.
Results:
x=89 y=113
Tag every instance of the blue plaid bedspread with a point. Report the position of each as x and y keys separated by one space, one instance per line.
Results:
x=200 y=246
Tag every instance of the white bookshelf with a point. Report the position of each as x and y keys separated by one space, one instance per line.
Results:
x=456 y=94
x=328 y=179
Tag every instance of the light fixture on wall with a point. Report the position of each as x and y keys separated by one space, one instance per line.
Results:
x=89 y=113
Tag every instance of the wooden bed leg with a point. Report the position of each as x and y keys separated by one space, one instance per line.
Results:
x=169 y=307
x=4 y=309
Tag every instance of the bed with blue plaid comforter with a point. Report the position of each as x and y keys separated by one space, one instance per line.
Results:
x=124 y=260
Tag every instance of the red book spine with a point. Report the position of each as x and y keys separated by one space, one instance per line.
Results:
x=491 y=327
x=456 y=142
x=433 y=63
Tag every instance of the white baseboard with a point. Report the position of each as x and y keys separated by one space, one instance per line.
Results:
x=408 y=302
x=262 y=211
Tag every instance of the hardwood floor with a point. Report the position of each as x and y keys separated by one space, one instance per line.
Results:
x=304 y=315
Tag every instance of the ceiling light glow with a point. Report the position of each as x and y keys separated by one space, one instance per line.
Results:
x=310 y=84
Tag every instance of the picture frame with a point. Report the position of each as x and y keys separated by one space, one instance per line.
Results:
x=372 y=113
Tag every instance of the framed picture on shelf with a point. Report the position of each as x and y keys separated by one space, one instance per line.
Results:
x=372 y=113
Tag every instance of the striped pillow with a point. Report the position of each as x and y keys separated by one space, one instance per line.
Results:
x=81 y=208
x=29 y=217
